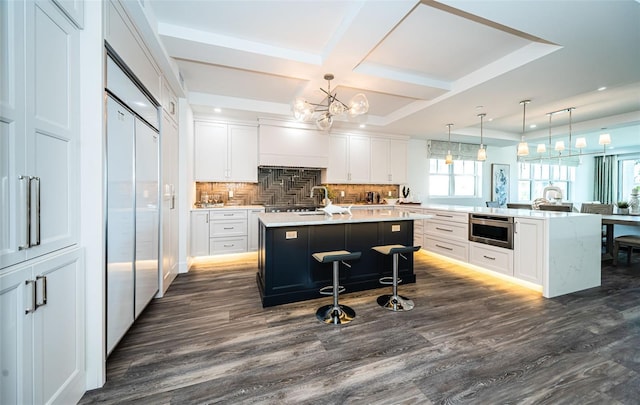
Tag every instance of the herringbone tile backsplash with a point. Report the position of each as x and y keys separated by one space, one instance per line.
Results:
x=284 y=186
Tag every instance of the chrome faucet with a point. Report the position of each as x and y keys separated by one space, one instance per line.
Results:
x=326 y=192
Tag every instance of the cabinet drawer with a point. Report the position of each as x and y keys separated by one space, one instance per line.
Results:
x=218 y=246
x=228 y=228
x=449 y=216
x=456 y=250
x=492 y=258
x=227 y=214
x=447 y=230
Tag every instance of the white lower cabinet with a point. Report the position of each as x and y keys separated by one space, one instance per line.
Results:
x=446 y=233
x=528 y=247
x=253 y=228
x=199 y=243
x=491 y=257
x=42 y=336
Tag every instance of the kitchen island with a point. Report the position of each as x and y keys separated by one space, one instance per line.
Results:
x=288 y=273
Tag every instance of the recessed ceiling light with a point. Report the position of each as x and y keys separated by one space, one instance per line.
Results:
x=532 y=126
x=217 y=110
x=362 y=126
x=602 y=88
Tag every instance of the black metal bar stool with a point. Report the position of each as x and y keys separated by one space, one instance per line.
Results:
x=335 y=314
x=395 y=302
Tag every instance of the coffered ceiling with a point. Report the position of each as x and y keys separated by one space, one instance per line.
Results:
x=422 y=64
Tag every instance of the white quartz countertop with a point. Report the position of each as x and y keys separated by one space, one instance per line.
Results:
x=229 y=207
x=510 y=212
x=279 y=219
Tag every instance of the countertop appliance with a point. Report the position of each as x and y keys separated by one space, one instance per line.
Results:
x=491 y=230
x=132 y=202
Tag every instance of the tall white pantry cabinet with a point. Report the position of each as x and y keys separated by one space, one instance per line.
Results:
x=41 y=265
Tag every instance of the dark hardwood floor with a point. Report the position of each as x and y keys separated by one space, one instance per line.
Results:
x=470 y=339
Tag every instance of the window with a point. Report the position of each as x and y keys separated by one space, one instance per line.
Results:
x=462 y=178
x=629 y=175
x=534 y=177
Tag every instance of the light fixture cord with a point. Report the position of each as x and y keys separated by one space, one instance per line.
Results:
x=481 y=120
x=549 y=152
x=570 y=110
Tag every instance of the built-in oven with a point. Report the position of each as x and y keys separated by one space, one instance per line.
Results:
x=491 y=230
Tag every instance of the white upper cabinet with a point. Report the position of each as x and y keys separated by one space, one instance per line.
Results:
x=74 y=10
x=39 y=191
x=225 y=152
x=281 y=146
x=349 y=159
x=388 y=161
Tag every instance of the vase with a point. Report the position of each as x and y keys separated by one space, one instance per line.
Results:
x=634 y=204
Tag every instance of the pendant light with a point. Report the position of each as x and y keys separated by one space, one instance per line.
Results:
x=523 y=146
x=449 y=159
x=482 y=152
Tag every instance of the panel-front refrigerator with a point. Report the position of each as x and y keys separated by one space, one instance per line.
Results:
x=132 y=203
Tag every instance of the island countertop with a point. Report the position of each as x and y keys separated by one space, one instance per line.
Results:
x=280 y=219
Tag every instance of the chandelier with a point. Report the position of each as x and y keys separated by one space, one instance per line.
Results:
x=323 y=114
x=560 y=147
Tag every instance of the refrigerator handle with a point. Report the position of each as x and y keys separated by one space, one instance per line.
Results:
x=27 y=238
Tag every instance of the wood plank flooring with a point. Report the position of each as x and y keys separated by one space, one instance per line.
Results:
x=470 y=339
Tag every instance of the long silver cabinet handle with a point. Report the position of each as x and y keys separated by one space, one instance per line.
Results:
x=34 y=304
x=37 y=179
x=27 y=244
x=44 y=292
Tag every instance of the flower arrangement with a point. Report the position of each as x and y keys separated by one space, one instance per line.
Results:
x=622 y=204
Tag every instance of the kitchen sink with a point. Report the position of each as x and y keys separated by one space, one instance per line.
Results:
x=312 y=213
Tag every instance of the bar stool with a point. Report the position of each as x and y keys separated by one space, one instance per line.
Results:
x=394 y=302
x=335 y=314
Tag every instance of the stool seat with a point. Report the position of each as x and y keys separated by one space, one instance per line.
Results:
x=335 y=255
x=335 y=314
x=394 y=302
x=629 y=241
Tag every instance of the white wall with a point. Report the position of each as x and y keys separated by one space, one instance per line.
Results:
x=186 y=184
x=92 y=195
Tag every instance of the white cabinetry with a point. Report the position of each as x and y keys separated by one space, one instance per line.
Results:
x=253 y=228
x=199 y=233
x=388 y=161
x=349 y=159
x=42 y=335
x=39 y=192
x=491 y=257
x=299 y=147
x=41 y=275
x=121 y=35
x=227 y=231
x=528 y=248
x=225 y=152
x=446 y=233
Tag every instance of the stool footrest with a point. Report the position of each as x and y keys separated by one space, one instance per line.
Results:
x=388 y=280
x=328 y=290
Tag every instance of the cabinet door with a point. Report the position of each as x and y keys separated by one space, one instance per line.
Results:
x=210 y=155
x=359 y=159
x=52 y=127
x=397 y=161
x=13 y=220
x=528 y=249
x=16 y=296
x=243 y=154
x=59 y=329
x=147 y=215
x=169 y=202
x=338 y=167
x=199 y=233
x=380 y=161
x=253 y=228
